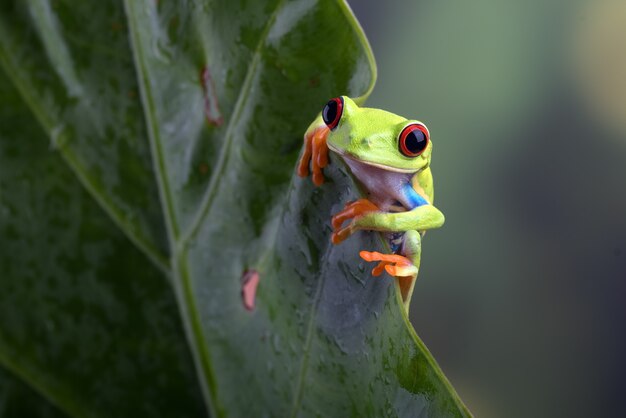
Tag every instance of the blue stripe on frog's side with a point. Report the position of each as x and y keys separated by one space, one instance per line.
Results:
x=414 y=198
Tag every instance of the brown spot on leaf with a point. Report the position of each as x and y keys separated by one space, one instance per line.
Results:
x=211 y=105
x=249 y=283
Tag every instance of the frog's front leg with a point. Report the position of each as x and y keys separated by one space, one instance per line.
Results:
x=315 y=152
x=421 y=218
x=403 y=266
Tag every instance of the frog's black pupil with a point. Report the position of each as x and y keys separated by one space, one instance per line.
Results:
x=330 y=112
x=415 y=141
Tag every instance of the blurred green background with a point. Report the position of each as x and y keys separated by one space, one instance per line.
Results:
x=521 y=294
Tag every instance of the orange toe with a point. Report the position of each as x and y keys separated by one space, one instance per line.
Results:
x=378 y=270
x=369 y=256
x=319 y=151
x=343 y=216
x=353 y=210
x=341 y=235
x=391 y=258
x=315 y=153
x=303 y=165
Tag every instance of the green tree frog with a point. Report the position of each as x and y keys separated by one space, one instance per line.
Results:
x=390 y=156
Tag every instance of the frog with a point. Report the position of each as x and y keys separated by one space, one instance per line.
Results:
x=389 y=156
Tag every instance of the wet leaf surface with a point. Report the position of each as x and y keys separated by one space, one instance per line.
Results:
x=85 y=318
x=147 y=162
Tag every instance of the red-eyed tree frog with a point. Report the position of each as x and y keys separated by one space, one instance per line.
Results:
x=390 y=156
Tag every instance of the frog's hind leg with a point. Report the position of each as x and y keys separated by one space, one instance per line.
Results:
x=403 y=267
x=412 y=249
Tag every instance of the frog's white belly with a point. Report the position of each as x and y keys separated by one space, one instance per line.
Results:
x=384 y=187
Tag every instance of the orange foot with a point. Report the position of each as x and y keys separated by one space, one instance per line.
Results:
x=315 y=152
x=396 y=265
x=352 y=210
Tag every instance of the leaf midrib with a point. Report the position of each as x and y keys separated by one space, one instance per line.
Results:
x=178 y=247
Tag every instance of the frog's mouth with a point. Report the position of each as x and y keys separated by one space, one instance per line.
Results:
x=356 y=159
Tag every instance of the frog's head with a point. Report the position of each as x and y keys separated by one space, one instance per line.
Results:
x=376 y=137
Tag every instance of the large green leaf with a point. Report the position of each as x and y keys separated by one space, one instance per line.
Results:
x=85 y=319
x=19 y=400
x=183 y=121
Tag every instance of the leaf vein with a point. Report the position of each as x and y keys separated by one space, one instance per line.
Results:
x=216 y=175
x=46 y=123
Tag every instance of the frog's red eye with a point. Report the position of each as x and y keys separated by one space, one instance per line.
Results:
x=332 y=112
x=413 y=140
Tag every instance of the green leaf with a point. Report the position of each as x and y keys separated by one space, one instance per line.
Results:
x=182 y=121
x=19 y=400
x=85 y=318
